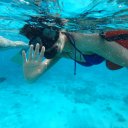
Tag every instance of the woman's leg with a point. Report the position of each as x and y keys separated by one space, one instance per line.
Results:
x=113 y=52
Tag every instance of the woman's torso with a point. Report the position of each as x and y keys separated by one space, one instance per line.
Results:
x=85 y=44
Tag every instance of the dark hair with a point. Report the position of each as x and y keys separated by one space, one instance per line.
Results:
x=30 y=31
x=36 y=35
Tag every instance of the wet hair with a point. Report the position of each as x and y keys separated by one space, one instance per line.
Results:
x=30 y=31
x=42 y=35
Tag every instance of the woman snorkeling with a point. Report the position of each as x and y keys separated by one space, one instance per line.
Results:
x=85 y=49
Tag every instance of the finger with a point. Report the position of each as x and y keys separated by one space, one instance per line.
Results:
x=41 y=53
x=30 y=53
x=36 y=51
x=24 y=56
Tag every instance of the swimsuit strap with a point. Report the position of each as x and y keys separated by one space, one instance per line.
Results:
x=73 y=43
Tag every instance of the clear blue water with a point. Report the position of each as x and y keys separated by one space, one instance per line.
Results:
x=95 y=98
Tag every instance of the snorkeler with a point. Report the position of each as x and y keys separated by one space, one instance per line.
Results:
x=6 y=43
x=85 y=49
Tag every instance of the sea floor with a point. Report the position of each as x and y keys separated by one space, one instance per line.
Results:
x=94 y=98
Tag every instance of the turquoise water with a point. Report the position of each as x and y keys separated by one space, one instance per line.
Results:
x=95 y=98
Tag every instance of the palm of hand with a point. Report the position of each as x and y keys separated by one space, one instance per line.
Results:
x=33 y=66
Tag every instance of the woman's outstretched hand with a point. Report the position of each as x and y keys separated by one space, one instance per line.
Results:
x=33 y=65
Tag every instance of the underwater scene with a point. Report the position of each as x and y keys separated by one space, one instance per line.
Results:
x=95 y=97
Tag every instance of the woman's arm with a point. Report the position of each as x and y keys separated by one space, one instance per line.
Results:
x=6 y=43
x=34 y=67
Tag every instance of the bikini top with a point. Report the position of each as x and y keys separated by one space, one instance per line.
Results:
x=90 y=60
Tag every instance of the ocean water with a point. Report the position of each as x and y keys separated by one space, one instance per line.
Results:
x=95 y=98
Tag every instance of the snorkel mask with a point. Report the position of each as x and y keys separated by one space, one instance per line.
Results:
x=46 y=37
